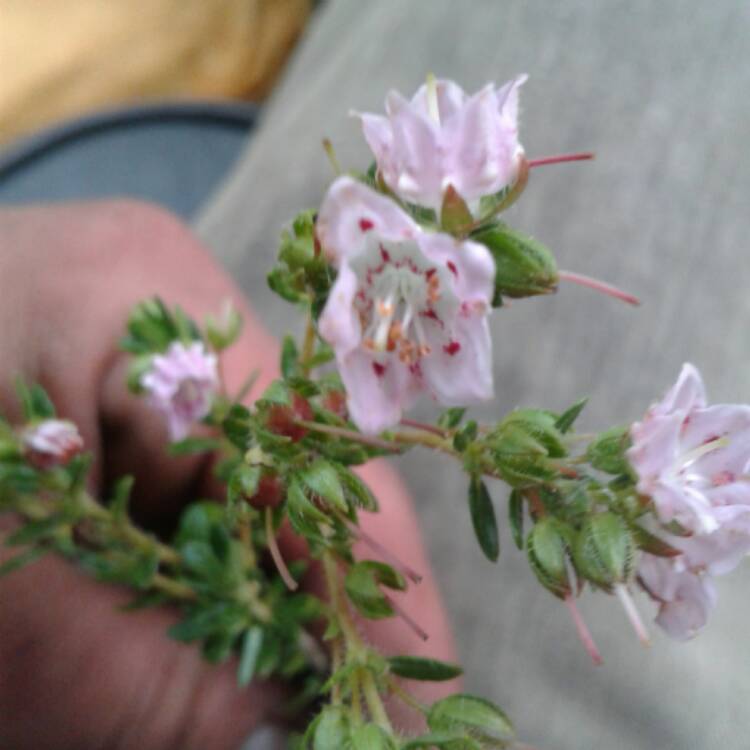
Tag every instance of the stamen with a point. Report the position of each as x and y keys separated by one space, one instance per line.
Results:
x=630 y=610
x=692 y=456
x=560 y=159
x=273 y=548
x=583 y=632
x=599 y=286
x=331 y=154
x=432 y=98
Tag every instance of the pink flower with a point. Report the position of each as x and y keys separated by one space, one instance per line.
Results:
x=52 y=442
x=181 y=385
x=686 y=597
x=408 y=310
x=444 y=137
x=693 y=460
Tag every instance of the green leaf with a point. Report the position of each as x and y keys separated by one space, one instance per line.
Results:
x=451 y=418
x=35 y=402
x=470 y=714
x=356 y=491
x=515 y=517
x=251 y=645
x=604 y=551
x=237 y=426
x=483 y=519
x=371 y=737
x=276 y=393
x=332 y=731
x=465 y=436
x=607 y=451
x=567 y=419
x=443 y=742
x=362 y=586
x=22 y=559
x=417 y=668
x=322 y=479
x=304 y=516
x=193 y=445
x=118 y=505
x=243 y=483
x=196 y=522
x=289 y=358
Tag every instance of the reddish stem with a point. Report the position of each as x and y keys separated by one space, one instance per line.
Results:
x=407 y=619
x=599 y=286
x=561 y=158
x=424 y=427
x=278 y=560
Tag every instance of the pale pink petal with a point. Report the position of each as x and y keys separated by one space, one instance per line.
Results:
x=459 y=372
x=686 y=394
x=470 y=263
x=729 y=427
x=376 y=392
x=351 y=210
x=339 y=324
x=378 y=134
x=450 y=97
x=655 y=447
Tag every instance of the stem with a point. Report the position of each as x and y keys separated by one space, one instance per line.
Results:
x=423 y=427
x=354 y=685
x=599 y=286
x=374 y=704
x=308 y=346
x=247 y=386
x=331 y=154
x=405 y=697
x=273 y=548
x=175 y=589
x=582 y=156
x=342 y=432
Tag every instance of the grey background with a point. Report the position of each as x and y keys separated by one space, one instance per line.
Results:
x=660 y=92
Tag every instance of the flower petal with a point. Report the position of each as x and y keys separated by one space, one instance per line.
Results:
x=339 y=324
x=350 y=210
x=686 y=394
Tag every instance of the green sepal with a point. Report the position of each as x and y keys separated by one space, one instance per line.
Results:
x=455 y=216
x=418 y=668
x=483 y=519
x=607 y=451
x=332 y=730
x=547 y=546
x=604 y=550
x=465 y=436
x=451 y=418
x=322 y=479
x=568 y=418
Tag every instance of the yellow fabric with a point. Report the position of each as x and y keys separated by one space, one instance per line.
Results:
x=63 y=57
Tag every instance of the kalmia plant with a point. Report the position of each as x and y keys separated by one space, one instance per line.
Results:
x=397 y=274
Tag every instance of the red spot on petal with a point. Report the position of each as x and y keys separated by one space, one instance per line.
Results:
x=430 y=272
x=385 y=255
x=452 y=267
x=451 y=348
x=378 y=369
x=429 y=313
x=723 y=477
x=365 y=225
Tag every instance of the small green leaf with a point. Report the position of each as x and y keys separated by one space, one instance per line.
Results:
x=35 y=401
x=371 y=737
x=22 y=559
x=276 y=393
x=243 y=483
x=356 y=491
x=470 y=714
x=118 y=505
x=567 y=419
x=515 y=517
x=193 y=445
x=417 y=668
x=362 y=586
x=251 y=645
x=607 y=451
x=322 y=479
x=483 y=519
x=465 y=436
x=289 y=358
x=332 y=731
x=451 y=418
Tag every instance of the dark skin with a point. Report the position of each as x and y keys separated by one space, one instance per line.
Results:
x=75 y=673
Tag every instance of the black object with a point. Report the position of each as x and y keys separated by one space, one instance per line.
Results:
x=172 y=153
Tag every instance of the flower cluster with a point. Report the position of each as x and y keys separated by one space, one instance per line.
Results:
x=51 y=442
x=693 y=461
x=408 y=311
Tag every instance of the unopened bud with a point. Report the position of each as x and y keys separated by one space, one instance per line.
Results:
x=223 y=331
x=604 y=550
x=523 y=266
x=283 y=419
x=547 y=547
x=52 y=442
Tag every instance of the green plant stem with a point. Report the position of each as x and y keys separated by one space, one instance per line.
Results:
x=308 y=346
x=374 y=703
x=173 y=589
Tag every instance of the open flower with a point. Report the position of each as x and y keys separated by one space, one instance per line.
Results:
x=408 y=310
x=445 y=137
x=686 y=597
x=693 y=460
x=181 y=384
x=52 y=442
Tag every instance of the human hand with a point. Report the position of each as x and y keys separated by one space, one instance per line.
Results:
x=74 y=671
